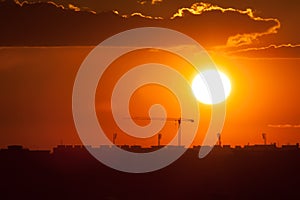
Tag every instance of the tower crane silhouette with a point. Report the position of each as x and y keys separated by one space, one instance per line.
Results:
x=176 y=120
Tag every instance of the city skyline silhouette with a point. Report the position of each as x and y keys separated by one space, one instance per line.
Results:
x=253 y=172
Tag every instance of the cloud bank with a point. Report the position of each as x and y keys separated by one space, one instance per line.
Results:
x=220 y=27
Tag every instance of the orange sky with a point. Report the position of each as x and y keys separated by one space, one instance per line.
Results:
x=36 y=98
x=262 y=95
x=255 y=44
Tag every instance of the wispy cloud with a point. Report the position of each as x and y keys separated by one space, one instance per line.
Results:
x=274 y=46
x=275 y=50
x=48 y=2
x=238 y=39
x=142 y=2
x=153 y=2
x=67 y=7
x=136 y=14
x=196 y=9
x=284 y=125
x=72 y=7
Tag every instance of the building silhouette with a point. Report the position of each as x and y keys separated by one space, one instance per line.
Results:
x=70 y=172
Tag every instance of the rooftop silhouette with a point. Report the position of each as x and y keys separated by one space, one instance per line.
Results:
x=69 y=171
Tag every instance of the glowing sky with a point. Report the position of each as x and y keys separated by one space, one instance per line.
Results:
x=256 y=43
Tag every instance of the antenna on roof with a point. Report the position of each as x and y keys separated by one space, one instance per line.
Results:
x=159 y=138
x=264 y=136
x=114 y=138
x=219 y=139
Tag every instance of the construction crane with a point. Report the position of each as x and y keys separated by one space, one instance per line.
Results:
x=177 y=120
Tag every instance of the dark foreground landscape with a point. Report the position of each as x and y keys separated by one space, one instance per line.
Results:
x=70 y=172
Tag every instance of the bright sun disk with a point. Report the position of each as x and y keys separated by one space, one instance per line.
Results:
x=201 y=91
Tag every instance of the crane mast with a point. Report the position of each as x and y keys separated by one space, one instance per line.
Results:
x=177 y=120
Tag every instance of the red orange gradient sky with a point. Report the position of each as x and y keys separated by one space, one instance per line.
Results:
x=256 y=44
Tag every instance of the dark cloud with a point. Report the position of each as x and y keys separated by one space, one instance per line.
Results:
x=243 y=27
x=48 y=24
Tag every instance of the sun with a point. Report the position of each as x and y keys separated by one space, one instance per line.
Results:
x=212 y=78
